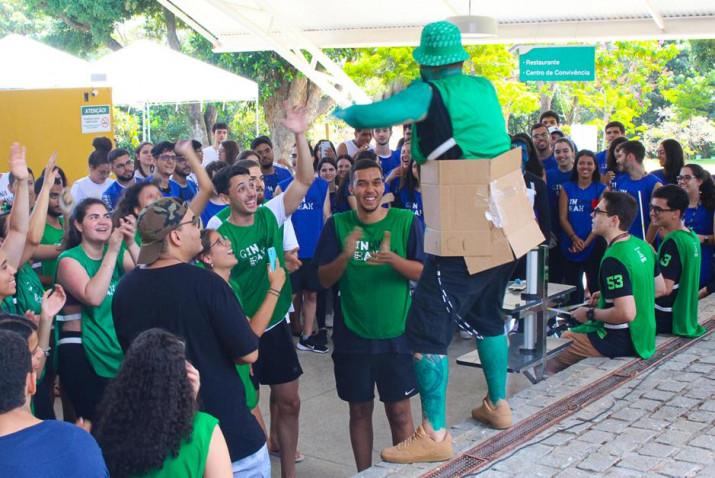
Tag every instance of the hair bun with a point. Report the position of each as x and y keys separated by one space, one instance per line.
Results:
x=102 y=144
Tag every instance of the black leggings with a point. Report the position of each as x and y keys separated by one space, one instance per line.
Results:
x=82 y=385
x=573 y=273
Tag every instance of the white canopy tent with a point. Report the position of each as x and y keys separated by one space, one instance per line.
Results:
x=146 y=73
x=30 y=64
x=299 y=29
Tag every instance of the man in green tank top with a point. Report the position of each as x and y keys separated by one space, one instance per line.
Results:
x=676 y=312
x=253 y=230
x=373 y=253
x=455 y=116
x=622 y=324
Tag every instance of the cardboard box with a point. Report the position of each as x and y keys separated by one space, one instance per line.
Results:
x=478 y=209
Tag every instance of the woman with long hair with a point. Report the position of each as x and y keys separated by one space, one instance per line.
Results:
x=579 y=245
x=612 y=168
x=406 y=187
x=344 y=165
x=144 y=163
x=96 y=255
x=671 y=159
x=228 y=151
x=134 y=199
x=217 y=255
x=148 y=424
x=698 y=183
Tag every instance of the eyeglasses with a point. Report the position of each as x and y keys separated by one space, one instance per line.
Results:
x=195 y=221
x=167 y=157
x=684 y=178
x=657 y=209
x=221 y=241
x=598 y=210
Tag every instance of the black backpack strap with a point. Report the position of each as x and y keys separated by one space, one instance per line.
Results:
x=435 y=131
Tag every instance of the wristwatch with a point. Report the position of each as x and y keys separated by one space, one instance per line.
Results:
x=591 y=313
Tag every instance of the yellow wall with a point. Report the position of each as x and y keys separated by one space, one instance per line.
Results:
x=49 y=120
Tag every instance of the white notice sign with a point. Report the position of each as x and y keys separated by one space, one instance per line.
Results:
x=95 y=119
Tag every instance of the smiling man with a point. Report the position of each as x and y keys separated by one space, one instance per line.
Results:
x=372 y=245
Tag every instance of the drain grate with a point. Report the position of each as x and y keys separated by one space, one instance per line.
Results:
x=500 y=444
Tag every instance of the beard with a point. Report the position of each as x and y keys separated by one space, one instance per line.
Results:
x=54 y=212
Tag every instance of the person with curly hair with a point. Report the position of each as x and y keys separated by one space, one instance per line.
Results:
x=145 y=430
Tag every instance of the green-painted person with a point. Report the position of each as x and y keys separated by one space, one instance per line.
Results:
x=455 y=116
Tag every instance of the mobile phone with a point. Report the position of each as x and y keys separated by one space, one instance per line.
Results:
x=272 y=257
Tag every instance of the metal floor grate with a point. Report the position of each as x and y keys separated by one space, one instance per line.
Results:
x=489 y=450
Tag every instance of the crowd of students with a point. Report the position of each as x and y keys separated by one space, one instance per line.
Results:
x=157 y=334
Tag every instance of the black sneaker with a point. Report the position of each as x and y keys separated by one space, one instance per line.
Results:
x=310 y=345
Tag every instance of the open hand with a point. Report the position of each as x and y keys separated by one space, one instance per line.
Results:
x=296 y=118
x=18 y=163
x=52 y=301
x=128 y=227
x=291 y=260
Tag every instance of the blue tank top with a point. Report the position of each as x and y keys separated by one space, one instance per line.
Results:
x=210 y=211
x=645 y=185
x=601 y=160
x=700 y=220
x=308 y=219
x=581 y=203
x=554 y=179
x=270 y=181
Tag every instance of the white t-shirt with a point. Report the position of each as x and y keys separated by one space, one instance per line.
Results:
x=290 y=241
x=5 y=194
x=85 y=188
x=210 y=155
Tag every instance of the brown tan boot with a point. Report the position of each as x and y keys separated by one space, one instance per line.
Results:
x=498 y=416
x=419 y=448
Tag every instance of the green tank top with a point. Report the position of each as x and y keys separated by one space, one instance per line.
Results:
x=51 y=236
x=98 y=335
x=193 y=452
x=29 y=289
x=477 y=119
x=249 y=278
x=375 y=299
x=685 y=306
x=638 y=258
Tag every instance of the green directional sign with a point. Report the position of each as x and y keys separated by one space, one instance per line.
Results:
x=563 y=63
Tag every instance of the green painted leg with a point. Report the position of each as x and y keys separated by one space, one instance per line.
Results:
x=432 y=375
x=494 y=355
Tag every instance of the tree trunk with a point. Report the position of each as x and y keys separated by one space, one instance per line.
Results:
x=196 y=123
x=298 y=92
x=210 y=117
x=546 y=97
x=171 y=37
x=571 y=117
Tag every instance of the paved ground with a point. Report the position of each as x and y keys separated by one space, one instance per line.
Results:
x=658 y=424
x=324 y=438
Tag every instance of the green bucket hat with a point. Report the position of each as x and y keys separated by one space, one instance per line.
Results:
x=440 y=44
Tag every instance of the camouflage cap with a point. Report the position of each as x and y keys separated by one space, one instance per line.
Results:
x=155 y=222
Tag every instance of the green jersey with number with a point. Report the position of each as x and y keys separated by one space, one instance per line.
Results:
x=375 y=298
x=98 y=335
x=639 y=259
x=685 y=307
x=249 y=278
x=29 y=289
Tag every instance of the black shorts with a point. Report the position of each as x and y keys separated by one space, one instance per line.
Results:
x=616 y=343
x=447 y=292
x=277 y=359
x=83 y=386
x=306 y=277
x=357 y=374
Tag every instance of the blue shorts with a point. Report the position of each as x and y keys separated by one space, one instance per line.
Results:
x=446 y=293
x=357 y=374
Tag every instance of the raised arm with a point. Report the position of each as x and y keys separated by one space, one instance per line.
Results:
x=38 y=218
x=297 y=122
x=14 y=243
x=198 y=204
x=263 y=315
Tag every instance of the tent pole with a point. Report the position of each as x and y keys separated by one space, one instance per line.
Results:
x=144 y=122
x=256 y=106
x=148 y=123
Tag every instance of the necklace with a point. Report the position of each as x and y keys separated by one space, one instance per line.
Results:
x=617 y=238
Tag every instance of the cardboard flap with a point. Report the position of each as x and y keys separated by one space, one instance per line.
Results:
x=517 y=216
x=506 y=163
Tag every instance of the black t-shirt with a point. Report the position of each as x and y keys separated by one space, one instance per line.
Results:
x=671 y=267
x=541 y=203
x=200 y=308
x=329 y=248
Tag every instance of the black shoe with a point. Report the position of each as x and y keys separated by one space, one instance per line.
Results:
x=310 y=345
